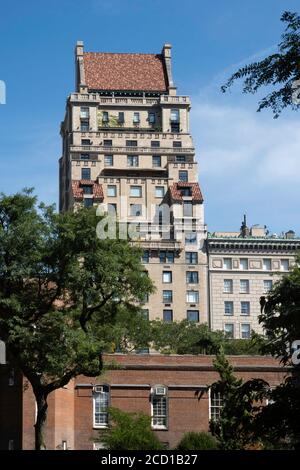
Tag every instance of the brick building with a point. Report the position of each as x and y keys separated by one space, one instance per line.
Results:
x=164 y=387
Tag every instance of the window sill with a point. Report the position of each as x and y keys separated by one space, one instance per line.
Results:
x=100 y=426
x=159 y=428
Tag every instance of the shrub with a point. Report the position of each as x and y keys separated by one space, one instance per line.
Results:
x=197 y=441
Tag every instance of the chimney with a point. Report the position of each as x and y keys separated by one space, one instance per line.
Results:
x=245 y=232
x=80 y=85
x=166 y=53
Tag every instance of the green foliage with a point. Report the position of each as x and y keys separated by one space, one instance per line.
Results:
x=246 y=347
x=129 y=431
x=281 y=70
x=197 y=441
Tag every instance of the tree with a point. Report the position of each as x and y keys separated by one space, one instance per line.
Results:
x=129 y=431
x=280 y=318
x=241 y=401
x=64 y=294
x=281 y=70
x=197 y=441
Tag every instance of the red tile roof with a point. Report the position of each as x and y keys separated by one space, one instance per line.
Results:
x=78 y=190
x=107 y=71
x=176 y=193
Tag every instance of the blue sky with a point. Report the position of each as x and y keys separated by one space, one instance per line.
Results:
x=248 y=161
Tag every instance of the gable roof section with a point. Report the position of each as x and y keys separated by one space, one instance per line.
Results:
x=176 y=193
x=78 y=190
x=110 y=71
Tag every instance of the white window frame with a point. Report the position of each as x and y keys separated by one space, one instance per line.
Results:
x=267 y=264
x=138 y=189
x=229 y=288
x=245 y=324
x=248 y=311
x=170 y=276
x=241 y=264
x=229 y=261
x=111 y=159
x=110 y=187
x=104 y=392
x=269 y=281
x=190 y=294
x=163 y=416
x=229 y=302
x=246 y=286
x=231 y=337
x=218 y=406
x=160 y=191
x=284 y=262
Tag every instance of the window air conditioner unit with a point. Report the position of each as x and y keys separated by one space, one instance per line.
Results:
x=160 y=391
x=98 y=388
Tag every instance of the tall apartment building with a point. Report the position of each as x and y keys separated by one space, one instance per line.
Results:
x=127 y=147
x=243 y=266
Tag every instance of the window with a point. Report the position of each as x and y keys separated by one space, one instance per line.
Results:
x=136 y=118
x=155 y=143
x=135 y=191
x=183 y=175
x=85 y=142
x=136 y=210
x=121 y=118
x=87 y=189
x=229 y=330
x=192 y=316
x=215 y=405
x=192 y=296
x=108 y=160
x=167 y=277
x=177 y=144
x=100 y=406
x=191 y=257
x=112 y=190
x=228 y=307
x=167 y=296
x=112 y=209
x=84 y=112
x=11 y=444
x=187 y=209
x=186 y=191
x=180 y=158
x=284 y=265
x=159 y=418
x=85 y=173
x=105 y=117
x=244 y=286
x=168 y=316
x=166 y=256
x=107 y=143
x=145 y=256
x=156 y=161
x=243 y=263
x=145 y=313
x=159 y=191
x=131 y=143
x=268 y=284
x=245 y=308
x=84 y=125
x=228 y=286
x=174 y=115
x=190 y=238
x=245 y=331
x=267 y=264
x=192 y=277
x=132 y=160
x=227 y=263
x=151 y=118
x=84 y=156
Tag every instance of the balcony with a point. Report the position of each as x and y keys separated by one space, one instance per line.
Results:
x=135 y=150
x=113 y=101
x=159 y=244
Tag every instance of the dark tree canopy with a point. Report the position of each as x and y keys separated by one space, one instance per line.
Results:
x=280 y=70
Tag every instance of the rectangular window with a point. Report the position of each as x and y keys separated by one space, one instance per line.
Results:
x=187 y=209
x=177 y=144
x=135 y=191
x=155 y=143
x=192 y=296
x=145 y=313
x=84 y=112
x=85 y=173
x=245 y=308
x=108 y=160
x=166 y=256
x=174 y=115
x=268 y=284
x=121 y=118
x=145 y=256
x=84 y=156
x=131 y=143
x=156 y=161
x=105 y=117
x=186 y=192
x=167 y=296
x=167 y=277
x=228 y=307
x=159 y=191
x=136 y=118
x=190 y=238
x=112 y=209
x=136 y=210
x=100 y=406
x=191 y=257
x=180 y=159
x=192 y=277
x=183 y=175
x=158 y=409
x=227 y=263
x=245 y=331
x=132 y=160
x=284 y=265
x=85 y=142
x=168 y=316
x=244 y=286
x=243 y=264
x=151 y=118
x=229 y=330
x=216 y=404
x=228 y=286
x=84 y=125
x=107 y=143
x=192 y=316
x=87 y=188
x=112 y=190
x=267 y=266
